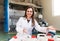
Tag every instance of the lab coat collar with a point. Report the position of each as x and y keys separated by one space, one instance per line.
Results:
x=26 y=18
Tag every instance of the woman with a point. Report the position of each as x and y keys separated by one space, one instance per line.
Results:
x=27 y=23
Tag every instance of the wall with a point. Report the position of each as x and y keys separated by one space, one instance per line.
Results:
x=47 y=13
x=1 y=14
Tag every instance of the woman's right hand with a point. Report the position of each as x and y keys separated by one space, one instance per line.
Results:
x=24 y=30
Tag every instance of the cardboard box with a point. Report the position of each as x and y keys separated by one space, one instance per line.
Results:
x=28 y=1
x=15 y=0
x=36 y=2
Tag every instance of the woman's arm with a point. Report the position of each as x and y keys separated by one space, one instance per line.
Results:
x=40 y=29
x=19 y=28
x=44 y=29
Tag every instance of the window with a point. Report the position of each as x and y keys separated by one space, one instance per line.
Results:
x=56 y=7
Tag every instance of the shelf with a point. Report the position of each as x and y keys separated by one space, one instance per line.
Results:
x=25 y=4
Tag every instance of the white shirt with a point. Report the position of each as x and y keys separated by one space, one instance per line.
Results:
x=23 y=23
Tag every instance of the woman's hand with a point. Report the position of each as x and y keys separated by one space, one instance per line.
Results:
x=24 y=30
x=51 y=27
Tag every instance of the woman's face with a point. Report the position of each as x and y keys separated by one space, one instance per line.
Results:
x=29 y=12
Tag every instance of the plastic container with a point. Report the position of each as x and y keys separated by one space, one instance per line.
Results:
x=42 y=37
x=57 y=38
x=51 y=39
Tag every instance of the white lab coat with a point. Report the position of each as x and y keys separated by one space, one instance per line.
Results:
x=23 y=23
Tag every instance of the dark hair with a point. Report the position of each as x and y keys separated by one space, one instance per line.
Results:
x=33 y=22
